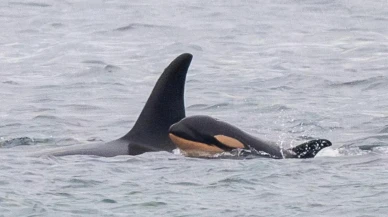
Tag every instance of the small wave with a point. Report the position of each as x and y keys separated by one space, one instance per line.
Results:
x=82 y=183
x=370 y=142
x=97 y=62
x=45 y=117
x=288 y=82
x=108 y=201
x=282 y=87
x=207 y=107
x=197 y=106
x=49 y=86
x=384 y=130
x=17 y=142
x=31 y=4
x=132 y=26
x=22 y=141
x=57 y=25
x=111 y=68
x=365 y=146
x=11 y=125
x=82 y=107
x=233 y=180
x=153 y=204
x=185 y=183
x=95 y=139
x=27 y=141
x=216 y=106
x=10 y=82
x=106 y=67
x=352 y=83
x=196 y=47
x=276 y=107
x=377 y=148
x=365 y=84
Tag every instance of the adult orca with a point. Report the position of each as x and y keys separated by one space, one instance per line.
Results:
x=165 y=106
x=204 y=136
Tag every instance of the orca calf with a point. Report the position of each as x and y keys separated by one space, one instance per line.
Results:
x=164 y=107
x=204 y=136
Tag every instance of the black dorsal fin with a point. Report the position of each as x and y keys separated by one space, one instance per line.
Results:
x=164 y=107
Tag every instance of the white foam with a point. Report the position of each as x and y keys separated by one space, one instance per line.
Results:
x=328 y=152
x=177 y=151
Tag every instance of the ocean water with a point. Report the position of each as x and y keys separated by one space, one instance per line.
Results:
x=78 y=72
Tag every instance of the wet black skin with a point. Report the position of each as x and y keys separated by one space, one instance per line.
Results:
x=203 y=129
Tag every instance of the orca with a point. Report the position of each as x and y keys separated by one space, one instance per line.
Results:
x=164 y=107
x=204 y=136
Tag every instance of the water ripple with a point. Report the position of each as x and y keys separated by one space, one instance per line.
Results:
x=74 y=72
x=31 y=4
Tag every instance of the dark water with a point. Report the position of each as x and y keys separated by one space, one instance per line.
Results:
x=77 y=72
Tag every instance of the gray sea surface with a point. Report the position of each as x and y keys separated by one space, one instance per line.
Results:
x=78 y=72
